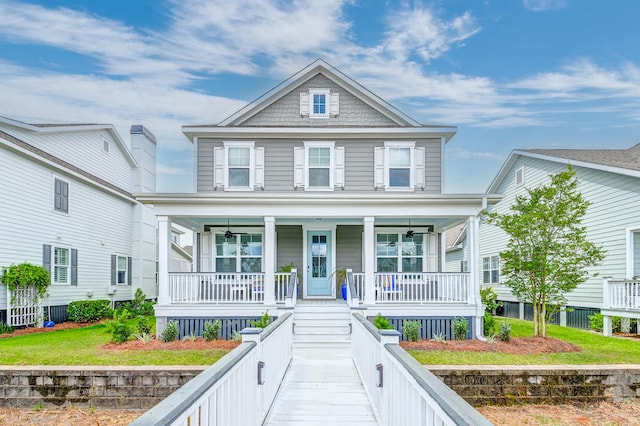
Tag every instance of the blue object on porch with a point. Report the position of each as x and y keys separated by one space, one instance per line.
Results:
x=49 y=323
x=344 y=291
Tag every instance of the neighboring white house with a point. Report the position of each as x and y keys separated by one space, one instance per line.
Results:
x=610 y=181
x=181 y=255
x=68 y=205
x=323 y=174
x=457 y=249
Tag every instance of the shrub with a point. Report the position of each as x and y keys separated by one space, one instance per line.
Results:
x=504 y=331
x=212 y=330
x=412 y=330
x=5 y=328
x=171 y=332
x=264 y=320
x=596 y=323
x=382 y=323
x=489 y=299
x=89 y=310
x=143 y=325
x=120 y=329
x=439 y=337
x=460 y=328
x=489 y=324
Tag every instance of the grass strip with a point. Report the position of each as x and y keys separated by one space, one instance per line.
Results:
x=595 y=349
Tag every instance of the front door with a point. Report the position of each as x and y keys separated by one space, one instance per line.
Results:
x=319 y=264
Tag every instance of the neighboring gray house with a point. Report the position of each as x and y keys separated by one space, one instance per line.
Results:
x=68 y=205
x=323 y=174
x=610 y=181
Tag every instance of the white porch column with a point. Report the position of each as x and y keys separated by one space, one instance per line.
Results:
x=269 y=251
x=473 y=230
x=369 y=261
x=164 y=259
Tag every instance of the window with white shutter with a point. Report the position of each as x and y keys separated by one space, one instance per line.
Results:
x=238 y=166
x=319 y=103
x=399 y=166
x=319 y=166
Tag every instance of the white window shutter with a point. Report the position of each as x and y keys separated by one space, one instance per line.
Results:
x=432 y=252
x=258 y=169
x=304 y=103
x=205 y=252
x=334 y=104
x=419 y=166
x=338 y=161
x=298 y=167
x=379 y=167
x=218 y=167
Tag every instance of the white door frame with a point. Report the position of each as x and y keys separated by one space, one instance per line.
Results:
x=305 y=264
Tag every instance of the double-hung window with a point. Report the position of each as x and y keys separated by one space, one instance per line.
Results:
x=121 y=270
x=399 y=166
x=239 y=253
x=60 y=195
x=397 y=253
x=319 y=166
x=491 y=269
x=238 y=166
x=61 y=263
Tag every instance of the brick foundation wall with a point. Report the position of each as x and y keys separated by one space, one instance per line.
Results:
x=98 y=387
x=508 y=385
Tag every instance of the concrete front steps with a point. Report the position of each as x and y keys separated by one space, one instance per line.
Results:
x=321 y=323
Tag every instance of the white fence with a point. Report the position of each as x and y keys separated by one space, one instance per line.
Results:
x=25 y=307
x=621 y=294
x=236 y=390
x=223 y=287
x=401 y=391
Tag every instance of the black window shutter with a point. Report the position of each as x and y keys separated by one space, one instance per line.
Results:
x=74 y=267
x=46 y=257
x=129 y=272
x=114 y=272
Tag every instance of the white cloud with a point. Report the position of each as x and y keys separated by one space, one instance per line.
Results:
x=170 y=170
x=544 y=5
x=464 y=154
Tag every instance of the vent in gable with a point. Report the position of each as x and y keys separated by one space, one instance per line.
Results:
x=105 y=145
x=520 y=176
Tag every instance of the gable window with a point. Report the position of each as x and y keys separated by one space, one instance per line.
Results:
x=319 y=166
x=399 y=166
x=238 y=166
x=319 y=103
x=519 y=178
x=491 y=269
x=397 y=253
x=240 y=253
x=61 y=195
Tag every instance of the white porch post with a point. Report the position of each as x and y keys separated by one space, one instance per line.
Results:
x=369 y=261
x=474 y=282
x=164 y=259
x=269 y=259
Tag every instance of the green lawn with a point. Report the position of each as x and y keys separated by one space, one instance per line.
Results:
x=596 y=349
x=82 y=346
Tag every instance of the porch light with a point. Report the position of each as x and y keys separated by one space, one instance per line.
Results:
x=380 y=373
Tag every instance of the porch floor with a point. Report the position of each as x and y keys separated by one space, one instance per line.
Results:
x=321 y=387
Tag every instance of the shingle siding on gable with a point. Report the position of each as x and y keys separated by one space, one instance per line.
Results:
x=359 y=163
x=615 y=203
x=286 y=111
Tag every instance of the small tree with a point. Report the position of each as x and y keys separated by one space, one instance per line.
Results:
x=548 y=251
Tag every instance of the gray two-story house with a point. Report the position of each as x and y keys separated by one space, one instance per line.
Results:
x=319 y=175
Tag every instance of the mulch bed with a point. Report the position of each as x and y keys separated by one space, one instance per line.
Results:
x=517 y=345
x=178 y=345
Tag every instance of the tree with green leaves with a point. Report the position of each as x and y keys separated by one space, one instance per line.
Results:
x=548 y=251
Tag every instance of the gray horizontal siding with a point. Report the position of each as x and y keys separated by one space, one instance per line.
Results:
x=349 y=247
x=359 y=163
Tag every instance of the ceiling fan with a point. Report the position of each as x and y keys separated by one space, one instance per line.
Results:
x=410 y=232
x=228 y=234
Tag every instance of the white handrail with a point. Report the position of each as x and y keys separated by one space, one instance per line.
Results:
x=621 y=294
x=236 y=390
x=401 y=391
x=422 y=287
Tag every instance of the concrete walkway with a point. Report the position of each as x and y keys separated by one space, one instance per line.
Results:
x=321 y=387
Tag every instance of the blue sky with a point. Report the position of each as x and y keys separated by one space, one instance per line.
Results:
x=510 y=74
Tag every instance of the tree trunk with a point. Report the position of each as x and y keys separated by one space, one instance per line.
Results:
x=543 y=320
x=536 y=319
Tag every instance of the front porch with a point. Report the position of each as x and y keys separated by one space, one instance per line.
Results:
x=620 y=298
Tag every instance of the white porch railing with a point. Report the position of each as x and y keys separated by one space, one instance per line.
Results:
x=621 y=294
x=401 y=391
x=425 y=287
x=24 y=307
x=236 y=390
x=224 y=287
x=358 y=282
